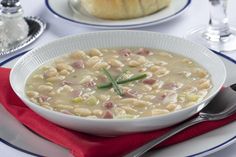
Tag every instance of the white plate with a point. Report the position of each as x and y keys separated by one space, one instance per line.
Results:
x=19 y=137
x=61 y=8
x=16 y=134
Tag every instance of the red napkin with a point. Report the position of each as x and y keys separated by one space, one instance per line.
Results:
x=84 y=145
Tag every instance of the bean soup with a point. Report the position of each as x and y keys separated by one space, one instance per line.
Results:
x=118 y=83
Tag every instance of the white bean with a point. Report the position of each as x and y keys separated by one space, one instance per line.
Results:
x=101 y=65
x=133 y=63
x=34 y=100
x=45 y=88
x=93 y=60
x=159 y=111
x=95 y=52
x=136 y=102
x=171 y=107
x=162 y=72
x=67 y=107
x=44 y=103
x=200 y=73
x=154 y=68
x=56 y=78
x=79 y=55
x=82 y=111
x=205 y=85
x=97 y=112
x=47 y=107
x=141 y=59
x=115 y=63
x=165 y=54
x=64 y=72
x=187 y=61
x=64 y=88
x=51 y=72
x=149 y=97
x=63 y=66
x=38 y=77
x=32 y=94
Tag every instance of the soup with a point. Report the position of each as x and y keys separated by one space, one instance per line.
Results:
x=118 y=83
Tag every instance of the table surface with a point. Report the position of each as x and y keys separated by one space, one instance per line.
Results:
x=179 y=26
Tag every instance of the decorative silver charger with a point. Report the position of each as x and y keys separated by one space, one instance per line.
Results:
x=36 y=28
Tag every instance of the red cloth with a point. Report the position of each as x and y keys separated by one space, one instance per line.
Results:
x=84 y=145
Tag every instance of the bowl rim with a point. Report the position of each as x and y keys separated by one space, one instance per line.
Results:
x=100 y=120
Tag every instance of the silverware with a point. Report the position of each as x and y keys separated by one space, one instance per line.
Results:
x=36 y=28
x=221 y=106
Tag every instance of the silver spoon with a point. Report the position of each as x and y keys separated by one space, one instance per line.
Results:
x=221 y=106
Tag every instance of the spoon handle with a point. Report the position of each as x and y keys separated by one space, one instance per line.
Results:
x=146 y=147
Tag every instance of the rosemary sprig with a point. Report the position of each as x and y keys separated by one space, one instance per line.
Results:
x=113 y=82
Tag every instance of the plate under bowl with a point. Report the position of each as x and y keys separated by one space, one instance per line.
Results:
x=111 y=39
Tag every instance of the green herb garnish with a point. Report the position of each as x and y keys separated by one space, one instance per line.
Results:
x=113 y=82
x=109 y=84
x=133 y=78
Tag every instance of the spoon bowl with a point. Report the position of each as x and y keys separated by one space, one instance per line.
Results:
x=221 y=106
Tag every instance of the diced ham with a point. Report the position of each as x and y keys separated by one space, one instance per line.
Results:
x=89 y=84
x=79 y=64
x=160 y=97
x=125 y=52
x=76 y=93
x=167 y=97
x=130 y=94
x=149 y=81
x=43 y=98
x=172 y=85
x=64 y=82
x=102 y=78
x=143 y=52
x=170 y=98
x=107 y=115
x=108 y=105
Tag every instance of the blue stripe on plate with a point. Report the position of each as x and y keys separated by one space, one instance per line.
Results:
x=224 y=56
x=13 y=57
x=113 y=26
x=193 y=155
x=213 y=148
x=20 y=149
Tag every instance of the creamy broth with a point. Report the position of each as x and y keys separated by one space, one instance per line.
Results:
x=118 y=83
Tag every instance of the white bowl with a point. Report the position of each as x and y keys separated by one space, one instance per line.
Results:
x=111 y=39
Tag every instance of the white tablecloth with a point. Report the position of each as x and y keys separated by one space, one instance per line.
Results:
x=195 y=15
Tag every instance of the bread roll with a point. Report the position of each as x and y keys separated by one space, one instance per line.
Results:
x=123 y=9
